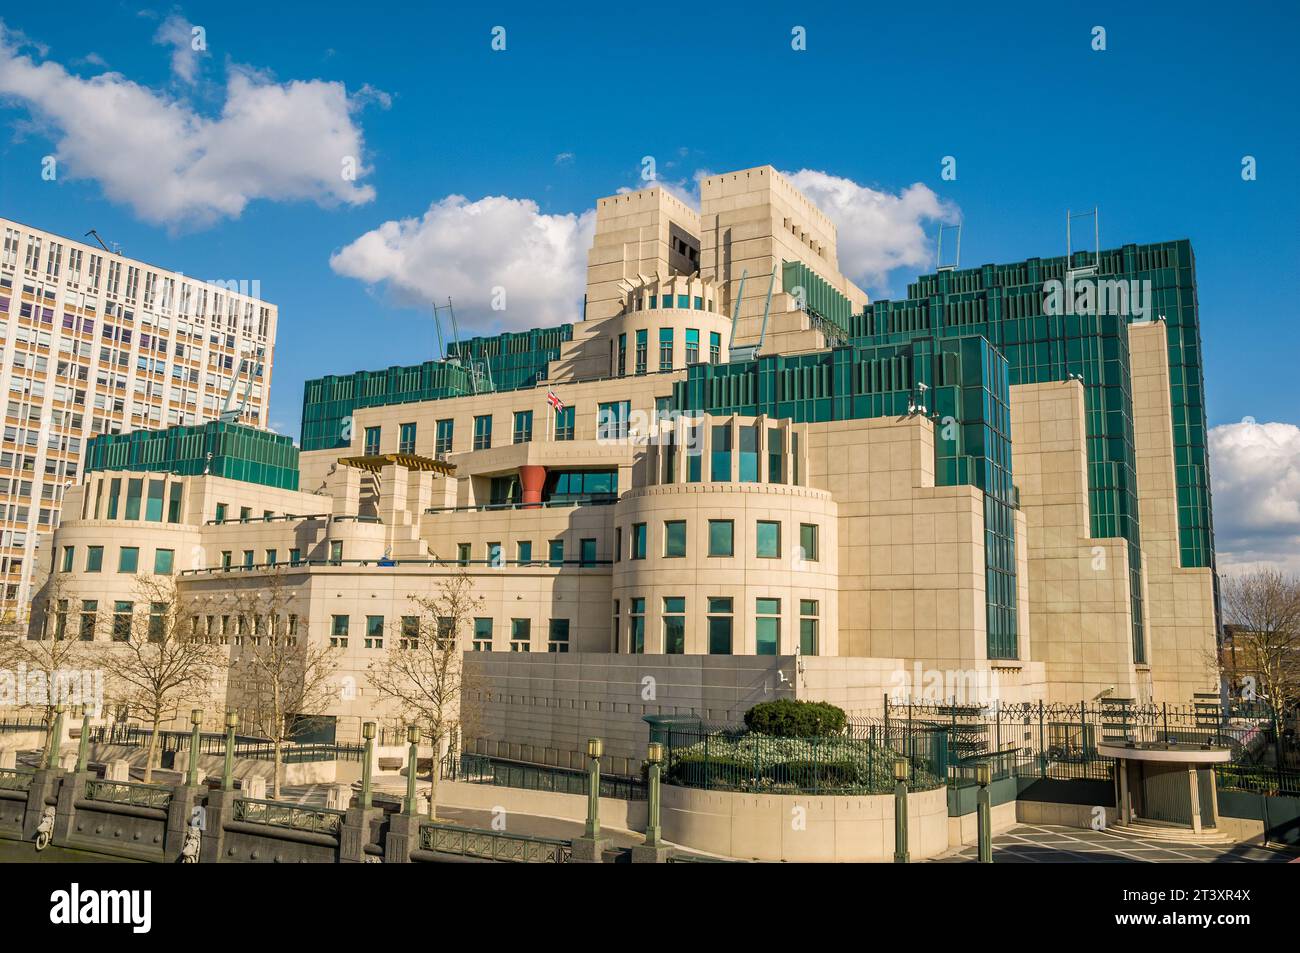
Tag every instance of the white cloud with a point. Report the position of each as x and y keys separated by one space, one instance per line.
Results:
x=1255 y=473
x=172 y=165
x=877 y=231
x=178 y=33
x=468 y=250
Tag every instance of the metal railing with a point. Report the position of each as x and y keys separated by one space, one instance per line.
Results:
x=129 y=792
x=385 y=563
x=544 y=505
x=481 y=769
x=16 y=779
x=211 y=743
x=1258 y=779
x=494 y=845
x=317 y=820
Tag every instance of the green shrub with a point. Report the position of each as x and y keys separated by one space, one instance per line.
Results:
x=787 y=718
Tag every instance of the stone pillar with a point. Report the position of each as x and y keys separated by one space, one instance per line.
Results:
x=355 y=833
x=1194 y=790
x=44 y=784
x=219 y=809
x=403 y=837
x=532 y=479
x=65 y=815
x=1125 y=813
x=180 y=813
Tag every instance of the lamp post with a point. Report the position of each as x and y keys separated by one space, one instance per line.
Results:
x=83 y=744
x=196 y=720
x=983 y=776
x=52 y=742
x=228 y=772
x=595 y=748
x=901 y=767
x=412 y=738
x=653 y=831
x=368 y=733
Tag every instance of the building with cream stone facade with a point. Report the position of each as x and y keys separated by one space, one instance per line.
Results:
x=735 y=479
x=93 y=342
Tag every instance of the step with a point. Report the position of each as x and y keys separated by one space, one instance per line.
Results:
x=1157 y=831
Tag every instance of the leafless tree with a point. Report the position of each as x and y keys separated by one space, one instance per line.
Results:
x=51 y=654
x=423 y=670
x=280 y=677
x=159 y=661
x=1263 y=607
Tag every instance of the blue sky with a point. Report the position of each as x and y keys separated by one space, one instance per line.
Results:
x=1153 y=129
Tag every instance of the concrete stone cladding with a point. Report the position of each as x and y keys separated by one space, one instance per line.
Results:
x=726 y=557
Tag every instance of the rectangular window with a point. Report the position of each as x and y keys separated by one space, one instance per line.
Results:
x=122 y=621
x=272 y=557
x=720 y=625
x=622 y=355
x=89 y=620
x=636 y=631
x=157 y=621
x=220 y=516
x=749 y=454
x=164 y=560
x=462 y=553
x=153 y=510
x=114 y=491
x=767 y=626
x=523 y=426
x=225 y=559
x=410 y=633
x=720 y=466
x=769 y=540
x=674 y=538
x=295 y=557
x=442 y=442
x=557 y=639
x=557 y=552
x=339 y=632
x=521 y=634
x=808 y=643
x=483 y=432
x=174 y=502
x=564 y=423
x=638 y=540
x=248 y=559
x=61 y=620
x=128 y=559
x=494 y=557
x=482 y=635
x=692 y=345
x=374 y=632
x=524 y=551
x=68 y=553
x=694 y=453
x=808 y=542
x=722 y=537
x=372 y=441
x=665 y=349
x=336 y=552
x=612 y=420
x=133 y=490
x=715 y=347
x=775 y=448
x=642 y=351
x=406 y=438
x=675 y=625
x=586 y=552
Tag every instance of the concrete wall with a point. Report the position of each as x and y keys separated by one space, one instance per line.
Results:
x=802 y=829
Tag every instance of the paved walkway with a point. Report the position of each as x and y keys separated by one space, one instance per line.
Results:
x=1053 y=844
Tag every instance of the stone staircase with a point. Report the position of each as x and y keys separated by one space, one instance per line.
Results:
x=1165 y=833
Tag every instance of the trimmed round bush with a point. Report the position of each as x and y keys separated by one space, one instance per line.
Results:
x=787 y=718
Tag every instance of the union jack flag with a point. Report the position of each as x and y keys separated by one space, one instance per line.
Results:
x=553 y=399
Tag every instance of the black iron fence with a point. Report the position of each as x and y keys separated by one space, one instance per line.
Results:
x=246 y=746
x=481 y=769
